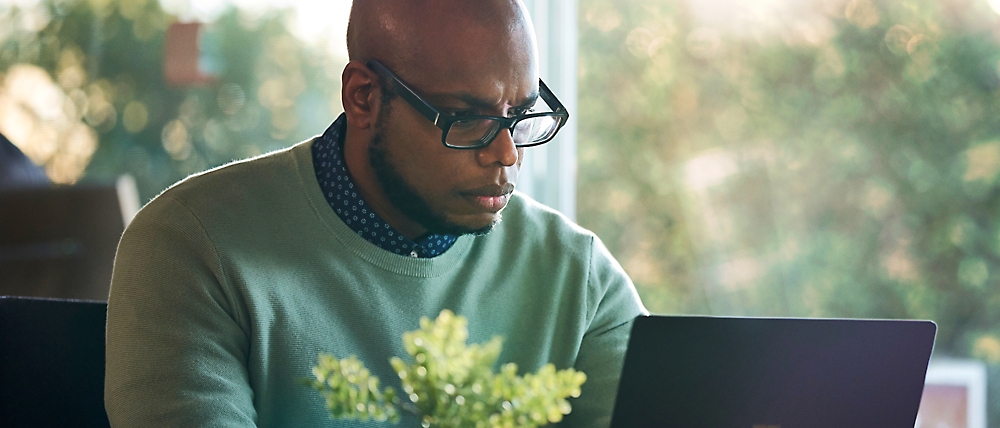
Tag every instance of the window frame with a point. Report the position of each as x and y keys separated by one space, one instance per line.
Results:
x=548 y=173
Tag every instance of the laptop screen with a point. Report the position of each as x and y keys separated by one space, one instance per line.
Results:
x=773 y=373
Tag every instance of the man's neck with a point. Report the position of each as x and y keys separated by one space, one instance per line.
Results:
x=356 y=147
x=345 y=198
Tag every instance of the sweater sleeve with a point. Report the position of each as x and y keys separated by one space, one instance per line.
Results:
x=614 y=304
x=176 y=346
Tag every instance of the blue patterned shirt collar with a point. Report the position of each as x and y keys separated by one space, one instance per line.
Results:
x=342 y=194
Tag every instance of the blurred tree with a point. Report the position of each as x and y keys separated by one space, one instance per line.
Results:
x=841 y=162
x=104 y=59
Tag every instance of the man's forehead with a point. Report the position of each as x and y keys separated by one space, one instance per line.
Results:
x=469 y=73
x=463 y=47
x=473 y=90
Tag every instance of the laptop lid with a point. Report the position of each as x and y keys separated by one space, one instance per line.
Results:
x=692 y=372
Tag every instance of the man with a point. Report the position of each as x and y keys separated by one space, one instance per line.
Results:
x=228 y=285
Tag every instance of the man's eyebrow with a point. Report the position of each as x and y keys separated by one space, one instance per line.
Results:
x=483 y=103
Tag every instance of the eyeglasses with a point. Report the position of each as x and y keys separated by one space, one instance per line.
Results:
x=476 y=131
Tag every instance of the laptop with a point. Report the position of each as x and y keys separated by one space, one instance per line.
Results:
x=690 y=371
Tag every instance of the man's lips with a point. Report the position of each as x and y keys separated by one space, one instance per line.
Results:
x=491 y=198
x=491 y=203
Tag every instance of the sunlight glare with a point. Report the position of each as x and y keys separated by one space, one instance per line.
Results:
x=995 y=5
x=709 y=169
x=323 y=21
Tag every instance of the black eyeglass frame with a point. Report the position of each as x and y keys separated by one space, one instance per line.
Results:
x=444 y=121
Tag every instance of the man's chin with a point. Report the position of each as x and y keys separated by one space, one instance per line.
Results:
x=475 y=228
x=486 y=229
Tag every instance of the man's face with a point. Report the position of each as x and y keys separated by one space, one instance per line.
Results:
x=407 y=199
x=449 y=190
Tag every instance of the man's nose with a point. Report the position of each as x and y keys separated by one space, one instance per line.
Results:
x=500 y=151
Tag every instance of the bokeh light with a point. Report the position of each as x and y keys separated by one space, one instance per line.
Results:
x=44 y=122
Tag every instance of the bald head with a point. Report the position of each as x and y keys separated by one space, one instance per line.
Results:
x=462 y=57
x=435 y=35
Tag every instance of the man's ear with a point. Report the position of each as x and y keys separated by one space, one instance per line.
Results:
x=360 y=94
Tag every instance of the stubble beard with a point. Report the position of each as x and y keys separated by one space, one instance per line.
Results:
x=403 y=197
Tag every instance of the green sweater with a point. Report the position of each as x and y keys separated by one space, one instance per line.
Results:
x=228 y=285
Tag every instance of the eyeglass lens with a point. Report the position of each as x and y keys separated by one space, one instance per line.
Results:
x=477 y=132
x=535 y=130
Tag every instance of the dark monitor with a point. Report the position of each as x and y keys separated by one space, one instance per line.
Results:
x=721 y=372
x=59 y=241
x=52 y=362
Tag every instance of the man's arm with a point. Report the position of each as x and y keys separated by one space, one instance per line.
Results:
x=176 y=346
x=614 y=303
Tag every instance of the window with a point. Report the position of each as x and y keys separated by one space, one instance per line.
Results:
x=788 y=158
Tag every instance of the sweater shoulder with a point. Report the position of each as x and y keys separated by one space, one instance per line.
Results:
x=241 y=184
x=535 y=221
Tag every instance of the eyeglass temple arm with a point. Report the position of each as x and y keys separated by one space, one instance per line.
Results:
x=551 y=99
x=423 y=107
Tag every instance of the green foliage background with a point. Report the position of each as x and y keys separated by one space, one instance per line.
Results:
x=841 y=164
x=271 y=89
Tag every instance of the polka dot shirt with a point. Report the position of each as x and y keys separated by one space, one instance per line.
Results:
x=343 y=196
